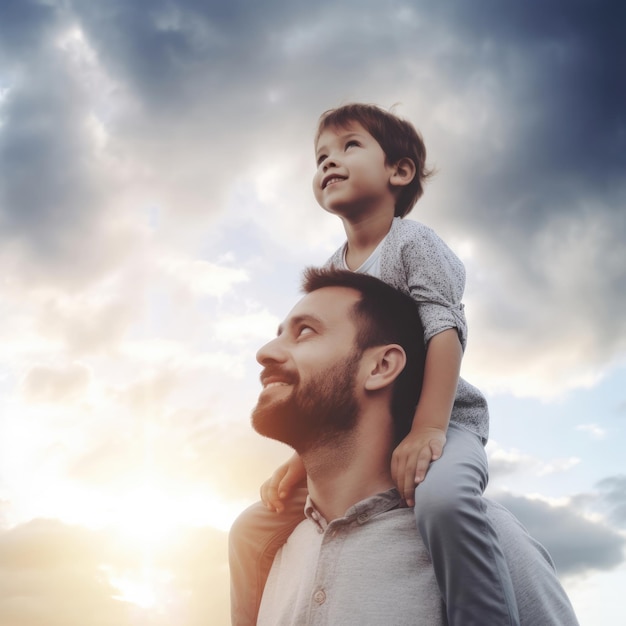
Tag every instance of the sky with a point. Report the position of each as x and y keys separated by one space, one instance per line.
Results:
x=156 y=213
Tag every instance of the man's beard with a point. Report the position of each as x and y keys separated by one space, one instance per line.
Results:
x=315 y=413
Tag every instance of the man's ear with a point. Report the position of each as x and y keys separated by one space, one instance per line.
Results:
x=385 y=366
x=403 y=173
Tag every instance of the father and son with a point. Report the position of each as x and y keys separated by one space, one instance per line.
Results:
x=379 y=516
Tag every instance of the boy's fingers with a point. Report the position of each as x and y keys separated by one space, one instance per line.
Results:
x=274 y=480
x=409 y=484
x=283 y=488
x=436 y=448
x=423 y=461
x=263 y=491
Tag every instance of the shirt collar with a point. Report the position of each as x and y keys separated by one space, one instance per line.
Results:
x=359 y=513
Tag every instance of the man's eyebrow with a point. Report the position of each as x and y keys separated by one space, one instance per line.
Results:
x=306 y=318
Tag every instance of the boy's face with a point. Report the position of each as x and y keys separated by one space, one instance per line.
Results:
x=352 y=175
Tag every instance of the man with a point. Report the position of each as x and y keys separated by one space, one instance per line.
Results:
x=339 y=386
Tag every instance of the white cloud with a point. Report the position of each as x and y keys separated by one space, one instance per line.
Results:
x=503 y=462
x=56 y=384
x=595 y=431
x=249 y=327
x=202 y=277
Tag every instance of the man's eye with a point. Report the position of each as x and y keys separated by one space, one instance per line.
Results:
x=303 y=331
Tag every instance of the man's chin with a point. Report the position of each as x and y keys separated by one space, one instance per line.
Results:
x=268 y=419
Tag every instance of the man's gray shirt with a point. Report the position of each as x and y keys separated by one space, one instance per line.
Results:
x=371 y=568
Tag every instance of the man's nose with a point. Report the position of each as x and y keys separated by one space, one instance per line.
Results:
x=271 y=352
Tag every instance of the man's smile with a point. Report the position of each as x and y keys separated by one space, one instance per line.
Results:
x=276 y=384
x=272 y=377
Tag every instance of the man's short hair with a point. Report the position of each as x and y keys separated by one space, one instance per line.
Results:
x=383 y=315
x=398 y=138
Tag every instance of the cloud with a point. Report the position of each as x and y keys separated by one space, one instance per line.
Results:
x=178 y=106
x=613 y=497
x=49 y=574
x=203 y=278
x=595 y=431
x=577 y=544
x=47 y=384
x=55 y=574
x=505 y=462
x=57 y=222
x=89 y=322
x=155 y=202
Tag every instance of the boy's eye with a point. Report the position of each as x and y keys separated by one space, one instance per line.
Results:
x=320 y=158
x=351 y=143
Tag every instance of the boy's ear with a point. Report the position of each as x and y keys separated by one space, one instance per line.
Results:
x=404 y=172
x=385 y=365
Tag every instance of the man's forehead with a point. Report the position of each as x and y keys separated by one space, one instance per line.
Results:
x=328 y=304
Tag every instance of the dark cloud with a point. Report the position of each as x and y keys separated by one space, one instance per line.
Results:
x=24 y=27
x=42 y=150
x=560 y=64
x=613 y=498
x=202 y=77
x=55 y=214
x=576 y=544
x=168 y=52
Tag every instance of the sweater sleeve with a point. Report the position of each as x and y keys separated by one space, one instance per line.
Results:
x=436 y=281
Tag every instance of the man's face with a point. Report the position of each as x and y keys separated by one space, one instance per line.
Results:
x=309 y=372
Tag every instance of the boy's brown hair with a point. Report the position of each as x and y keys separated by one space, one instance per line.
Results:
x=398 y=138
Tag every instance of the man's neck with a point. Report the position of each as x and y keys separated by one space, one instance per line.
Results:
x=342 y=474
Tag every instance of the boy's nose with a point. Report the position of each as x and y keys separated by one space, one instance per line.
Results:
x=330 y=162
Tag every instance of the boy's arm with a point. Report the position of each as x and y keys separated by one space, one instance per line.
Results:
x=425 y=441
x=282 y=482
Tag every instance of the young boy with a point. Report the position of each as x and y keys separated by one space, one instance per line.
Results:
x=370 y=172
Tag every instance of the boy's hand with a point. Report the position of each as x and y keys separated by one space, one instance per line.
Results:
x=410 y=460
x=282 y=482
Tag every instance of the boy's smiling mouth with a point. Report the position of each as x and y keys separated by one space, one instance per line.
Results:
x=330 y=180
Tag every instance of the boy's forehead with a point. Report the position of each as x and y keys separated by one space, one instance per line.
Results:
x=351 y=126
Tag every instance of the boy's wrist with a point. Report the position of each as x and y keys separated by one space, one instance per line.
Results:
x=421 y=425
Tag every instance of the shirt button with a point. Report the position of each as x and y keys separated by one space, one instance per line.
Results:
x=320 y=597
x=362 y=518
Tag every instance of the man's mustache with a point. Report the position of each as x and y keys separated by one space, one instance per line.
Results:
x=277 y=374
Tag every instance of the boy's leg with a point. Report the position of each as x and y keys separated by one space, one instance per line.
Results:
x=469 y=565
x=253 y=541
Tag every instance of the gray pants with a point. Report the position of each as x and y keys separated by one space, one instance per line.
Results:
x=469 y=565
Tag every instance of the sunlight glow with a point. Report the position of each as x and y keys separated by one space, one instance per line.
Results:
x=139 y=593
